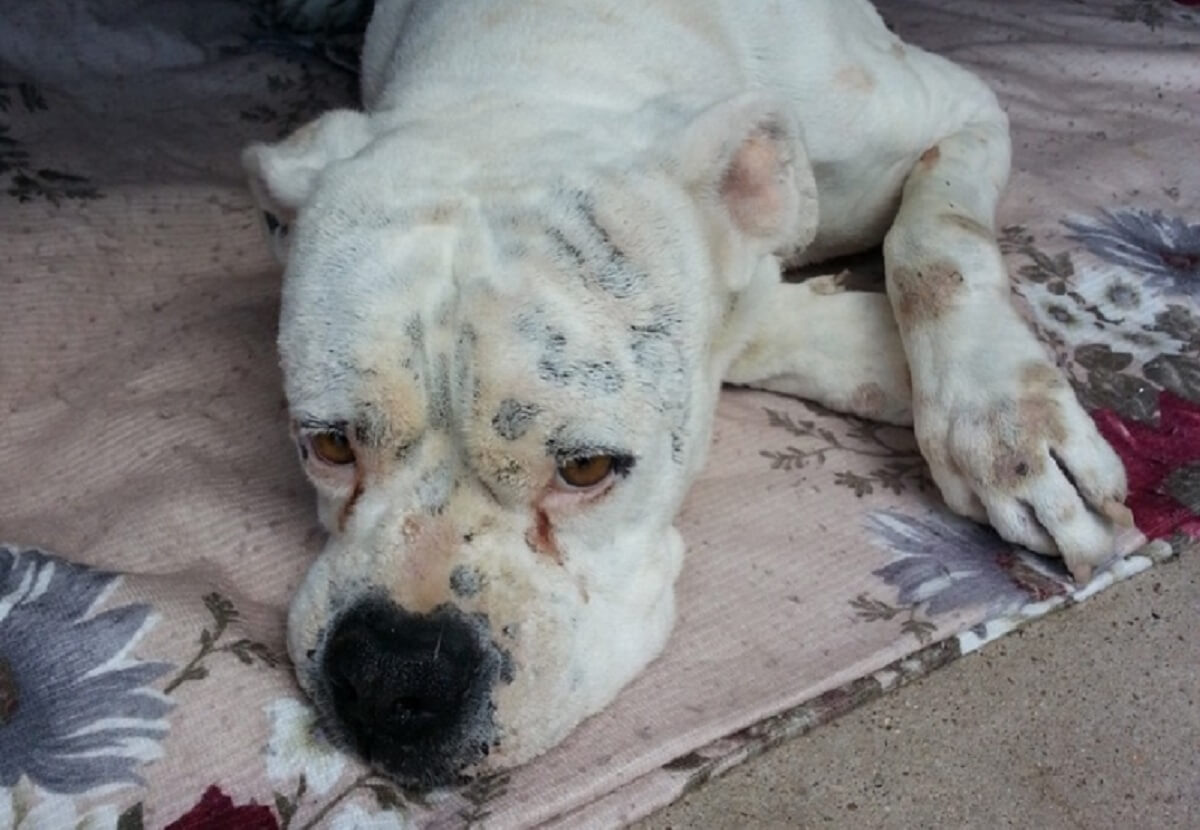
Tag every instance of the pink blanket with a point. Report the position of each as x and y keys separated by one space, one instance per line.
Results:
x=159 y=522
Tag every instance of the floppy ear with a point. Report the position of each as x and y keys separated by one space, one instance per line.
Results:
x=745 y=157
x=284 y=175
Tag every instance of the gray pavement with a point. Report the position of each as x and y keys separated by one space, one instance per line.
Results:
x=1089 y=718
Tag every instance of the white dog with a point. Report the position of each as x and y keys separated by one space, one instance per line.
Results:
x=516 y=282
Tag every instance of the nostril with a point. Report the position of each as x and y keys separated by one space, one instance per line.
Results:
x=413 y=712
x=410 y=705
x=343 y=688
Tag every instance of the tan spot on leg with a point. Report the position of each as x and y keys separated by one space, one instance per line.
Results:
x=898 y=50
x=969 y=225
x=1020 y=452
x=1117 y=513
x=1042 y=419
x=1040 y=377
x=868 y=400
x=1013 y=466
x=925 y=294
x=930 y=157
x=1066 y=513
x=854 y=78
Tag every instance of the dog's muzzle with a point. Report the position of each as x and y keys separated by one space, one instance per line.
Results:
x=412 y=693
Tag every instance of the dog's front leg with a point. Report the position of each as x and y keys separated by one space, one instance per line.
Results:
x=1006 y=440
x=840 y=349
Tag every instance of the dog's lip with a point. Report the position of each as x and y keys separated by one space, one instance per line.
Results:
x=411 y=767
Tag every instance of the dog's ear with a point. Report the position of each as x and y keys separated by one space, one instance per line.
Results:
x=746 y=157
x=284 y=175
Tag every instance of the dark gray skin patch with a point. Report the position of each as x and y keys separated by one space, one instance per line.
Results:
x=532 y=326
x=513 y=419
x=676 y=448
x=415 y=329
x=400 y=453
x=618 y=275
x=466 y=582
x=661 y=368
x=566 y=248
x=434 y=487
x=592 y=375
x=465 y=384
x=588 y=247
x=467 y=336
x=556 y=367
x=507 y=667
x=363 y=433
x=372 y=429
x=439 y=393
x=665 y=321
x=660 y=364
x=509 y=475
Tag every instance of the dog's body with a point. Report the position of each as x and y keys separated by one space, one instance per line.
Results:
x=516 y=283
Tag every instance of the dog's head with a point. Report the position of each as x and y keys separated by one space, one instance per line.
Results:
x=501 y=379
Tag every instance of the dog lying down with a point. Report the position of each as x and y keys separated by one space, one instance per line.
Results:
x=515 y=283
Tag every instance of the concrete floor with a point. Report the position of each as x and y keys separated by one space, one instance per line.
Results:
x=1086 y=719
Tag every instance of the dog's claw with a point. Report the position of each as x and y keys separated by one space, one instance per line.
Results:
x=1035 y=460
x=1082 y=573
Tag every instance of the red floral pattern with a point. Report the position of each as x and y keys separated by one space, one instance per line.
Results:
x=1152 y=455
x=216 y=811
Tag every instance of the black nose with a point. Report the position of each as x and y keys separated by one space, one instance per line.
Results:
x=411 y=690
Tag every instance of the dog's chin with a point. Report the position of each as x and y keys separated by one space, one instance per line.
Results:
x=448 y=760
x=425 y=768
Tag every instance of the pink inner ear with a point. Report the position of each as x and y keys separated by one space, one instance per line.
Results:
x=753 y=187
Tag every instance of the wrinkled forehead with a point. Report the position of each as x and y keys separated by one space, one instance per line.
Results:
x=503 y=310
x=355 y=301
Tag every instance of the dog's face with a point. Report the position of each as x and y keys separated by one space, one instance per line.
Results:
x=501 y=383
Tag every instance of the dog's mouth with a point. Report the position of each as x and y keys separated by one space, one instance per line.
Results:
x=411 y=694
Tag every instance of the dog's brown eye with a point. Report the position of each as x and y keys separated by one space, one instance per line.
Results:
x=586 y=472
x=332 y=448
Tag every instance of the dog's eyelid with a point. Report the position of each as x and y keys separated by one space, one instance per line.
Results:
x=308 y=425
x=623 y=460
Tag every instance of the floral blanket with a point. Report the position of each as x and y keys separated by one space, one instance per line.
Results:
x=158 y=523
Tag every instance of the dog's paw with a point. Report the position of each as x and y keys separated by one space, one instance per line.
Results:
x=1018 y=452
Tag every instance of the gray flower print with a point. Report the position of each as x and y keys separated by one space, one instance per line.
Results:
x=946 y=563
x=75 y=712
x=1163 y=250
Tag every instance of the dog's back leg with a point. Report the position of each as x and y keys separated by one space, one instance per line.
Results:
x=1004 y=435
x=838 y=348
